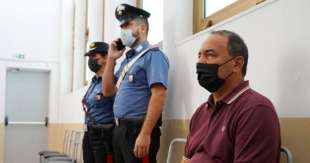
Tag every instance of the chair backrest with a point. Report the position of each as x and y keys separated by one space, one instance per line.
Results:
x=174 y=141
x=78 y=148
x=70 y=149
x=66 y=140
x=288 y=154
x=77 y=151
x=284 y=150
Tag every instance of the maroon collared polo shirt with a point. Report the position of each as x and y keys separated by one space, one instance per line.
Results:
x=243 y=127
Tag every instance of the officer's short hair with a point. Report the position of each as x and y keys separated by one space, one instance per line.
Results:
x=145 y=21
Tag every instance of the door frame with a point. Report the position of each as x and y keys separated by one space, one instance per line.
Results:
x=35 y=67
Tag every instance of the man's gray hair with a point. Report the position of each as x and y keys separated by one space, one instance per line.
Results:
x=236 y=46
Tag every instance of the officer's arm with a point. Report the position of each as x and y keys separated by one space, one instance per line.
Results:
x=109 y=87
x=157 y=77
x=154 y=111
x=155 y=108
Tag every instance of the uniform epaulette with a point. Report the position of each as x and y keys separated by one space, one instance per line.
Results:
x=154 y=48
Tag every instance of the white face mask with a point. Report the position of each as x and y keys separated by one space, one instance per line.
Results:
x=127 y=37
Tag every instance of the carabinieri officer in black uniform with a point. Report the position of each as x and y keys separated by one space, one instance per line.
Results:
x=99 y=119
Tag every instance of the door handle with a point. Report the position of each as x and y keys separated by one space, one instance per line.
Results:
x=46 y=121
x=7 y=122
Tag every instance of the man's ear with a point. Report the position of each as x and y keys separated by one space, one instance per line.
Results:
x=143 y=28
x=238 y=63
x=104 y=58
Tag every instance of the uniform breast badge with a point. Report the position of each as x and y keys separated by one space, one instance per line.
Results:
x=130 y=78
x=98 y=96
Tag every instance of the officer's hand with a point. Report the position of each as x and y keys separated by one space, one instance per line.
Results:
x=142 y=145
x=113 y=53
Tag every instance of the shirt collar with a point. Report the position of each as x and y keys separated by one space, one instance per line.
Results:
x=96 y=79
x=233 y=94
x=136 y=50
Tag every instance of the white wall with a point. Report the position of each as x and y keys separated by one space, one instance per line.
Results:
x=71 y=110
x=178 y=25
x=155 y=34
x=276 y=35
x=95 y=26
x=66 y=46
x=79 y=43
x=27 y=28
x=72 y=68
x=95 y=20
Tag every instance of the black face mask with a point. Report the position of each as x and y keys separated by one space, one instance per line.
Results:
x=93 y=65
x=207 y=76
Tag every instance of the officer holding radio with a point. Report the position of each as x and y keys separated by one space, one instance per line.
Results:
x=140 y=88
x=99 y=119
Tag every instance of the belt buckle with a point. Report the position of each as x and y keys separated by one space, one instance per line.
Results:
x=116 y=121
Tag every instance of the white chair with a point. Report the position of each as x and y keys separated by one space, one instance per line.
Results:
x=174 y=141
x=288 y=154
x=79 y=149
x=71 y=155
x=67 y=136
x=284 y=150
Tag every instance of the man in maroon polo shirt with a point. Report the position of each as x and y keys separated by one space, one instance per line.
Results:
x=236 y=124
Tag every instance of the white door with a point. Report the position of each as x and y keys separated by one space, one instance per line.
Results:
x=27 y=94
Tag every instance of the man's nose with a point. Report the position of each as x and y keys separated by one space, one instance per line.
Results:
x=201 y=59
